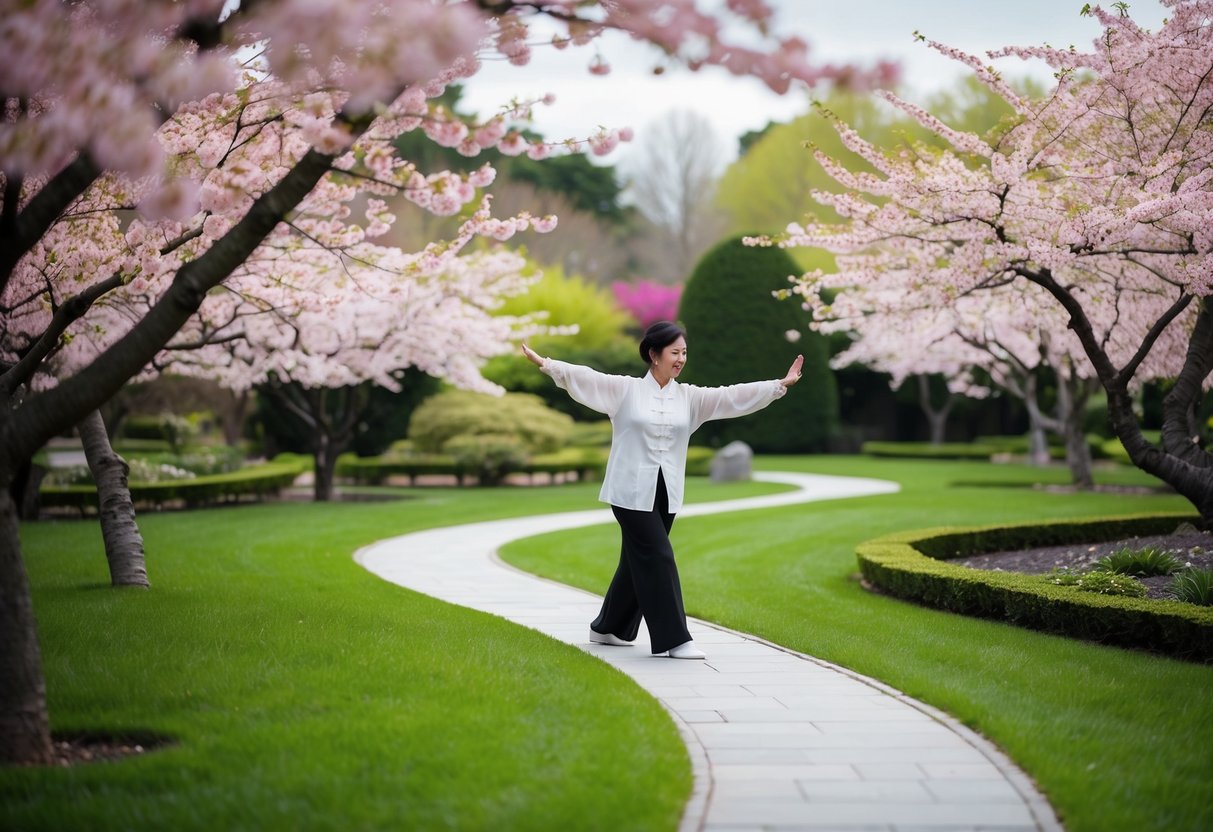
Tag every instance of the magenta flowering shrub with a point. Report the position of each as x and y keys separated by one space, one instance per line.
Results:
x=647 y=301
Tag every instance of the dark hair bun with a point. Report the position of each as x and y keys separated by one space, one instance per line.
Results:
x=659 y=336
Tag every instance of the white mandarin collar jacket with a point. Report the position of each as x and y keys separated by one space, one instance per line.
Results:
x=651 y=425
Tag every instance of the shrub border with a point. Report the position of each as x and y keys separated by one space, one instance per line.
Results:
x=258 y=481
x=912 y=565
x=587 y=463
x=924 y=450
x=376 y=470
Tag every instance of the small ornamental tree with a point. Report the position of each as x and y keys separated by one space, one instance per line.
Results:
x=1100 y=194
x=737 y=331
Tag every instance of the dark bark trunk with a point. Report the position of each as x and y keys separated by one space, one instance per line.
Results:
x=25 y=734
x=1188 y=468
x=335 y=413
x=123 y=542
x=26 y=490
x=19 y=232
x=1180 y=428
x=326 y=468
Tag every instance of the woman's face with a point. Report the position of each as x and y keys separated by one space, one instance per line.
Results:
x=674 y=357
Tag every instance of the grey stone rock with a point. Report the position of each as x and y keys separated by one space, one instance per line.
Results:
x=733 y=463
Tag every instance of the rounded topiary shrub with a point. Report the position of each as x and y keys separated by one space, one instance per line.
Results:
x=737 y=331
x=458 y=413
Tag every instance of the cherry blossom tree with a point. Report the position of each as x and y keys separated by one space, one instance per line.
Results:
x=1011 y=336
x=316 y=340
x=1098 y=195
x=137 y=157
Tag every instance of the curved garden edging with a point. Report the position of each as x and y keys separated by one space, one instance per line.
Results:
x=913 y=565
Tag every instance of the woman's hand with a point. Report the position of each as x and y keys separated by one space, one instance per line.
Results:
x=793 y=375
x=532 y=356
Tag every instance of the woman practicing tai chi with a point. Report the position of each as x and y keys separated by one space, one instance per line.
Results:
x=652 y=419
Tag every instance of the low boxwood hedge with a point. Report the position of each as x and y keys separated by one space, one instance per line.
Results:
x=913 y=565
x=925 y=450
x=1019 y=445
x=256 y=481
x=586 y=462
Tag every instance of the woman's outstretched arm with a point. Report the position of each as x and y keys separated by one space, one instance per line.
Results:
x=597 y=391
x=708 y=403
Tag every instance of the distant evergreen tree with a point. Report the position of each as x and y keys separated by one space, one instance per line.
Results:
x=737 y=331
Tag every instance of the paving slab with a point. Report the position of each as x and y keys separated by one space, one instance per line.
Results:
x=778 y=740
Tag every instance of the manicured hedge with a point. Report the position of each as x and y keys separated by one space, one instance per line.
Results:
x=913 y=565
x=586 y=462
x=737 y=332
x=1020 y=445
x=257 y=481
x=925 y=450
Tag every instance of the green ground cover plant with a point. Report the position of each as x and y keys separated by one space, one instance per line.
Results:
x=1142 y=563
x=305 y=693
x=1108 y=734
x=1193 y=586
x=1105 y=582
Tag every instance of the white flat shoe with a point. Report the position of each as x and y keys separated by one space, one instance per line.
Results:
x=607 y=638
x=687 y=650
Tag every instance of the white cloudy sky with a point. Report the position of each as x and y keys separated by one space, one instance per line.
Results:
x=853 y=30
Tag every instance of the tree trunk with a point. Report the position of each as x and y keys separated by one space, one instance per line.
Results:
x=25 y=733
x=1183 y=465
x=937 y=418
x=334 y=412
x=326 y=468
x=26 y=490
x=1038 y=446
x=1038 y=442
x=1072 y=396
x=1078 y=455
x=123 y=542
x=233 y=418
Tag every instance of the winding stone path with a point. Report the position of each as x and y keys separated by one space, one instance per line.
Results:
x=777 y=739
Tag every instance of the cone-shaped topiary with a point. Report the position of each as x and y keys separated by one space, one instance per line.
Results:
x=738 y=331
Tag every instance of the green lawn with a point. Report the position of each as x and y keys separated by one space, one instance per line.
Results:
x=305 y=693
x=1116 y=739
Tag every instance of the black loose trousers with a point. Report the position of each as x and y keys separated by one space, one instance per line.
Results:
x=646 y=581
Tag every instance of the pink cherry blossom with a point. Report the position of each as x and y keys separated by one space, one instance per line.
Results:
x=1075 y=237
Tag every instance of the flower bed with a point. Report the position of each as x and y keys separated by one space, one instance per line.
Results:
x=914 y=565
